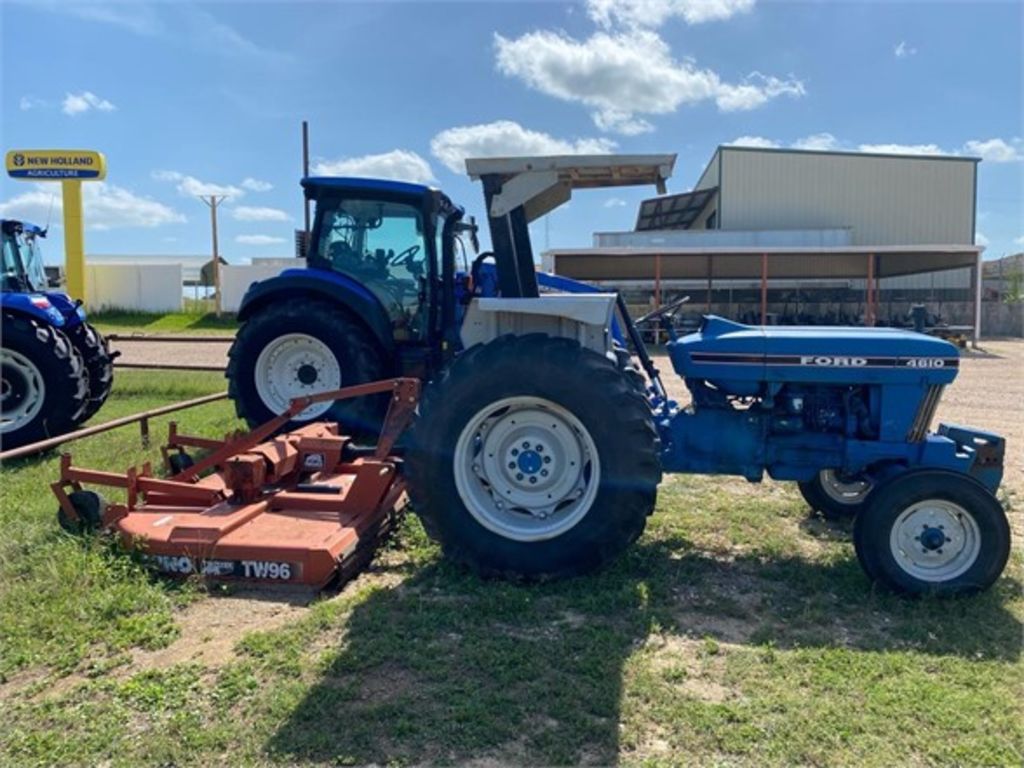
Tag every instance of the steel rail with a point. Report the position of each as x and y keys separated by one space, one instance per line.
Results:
x=142 y=418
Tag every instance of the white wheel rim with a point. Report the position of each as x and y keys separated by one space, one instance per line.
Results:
x=22 y=391
x=935 y=540
x=294 y=365
x=526 y=468
x=852 y=492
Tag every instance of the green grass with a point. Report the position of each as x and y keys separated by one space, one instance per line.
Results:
x=736 y=631
x=117 y=321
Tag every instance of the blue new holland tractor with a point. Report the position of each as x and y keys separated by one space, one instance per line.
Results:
x=57 y=368
x=544 y=429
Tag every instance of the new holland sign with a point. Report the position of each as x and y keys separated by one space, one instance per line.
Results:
x=56 y=164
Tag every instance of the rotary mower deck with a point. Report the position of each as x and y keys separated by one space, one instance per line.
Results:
x=298 y=508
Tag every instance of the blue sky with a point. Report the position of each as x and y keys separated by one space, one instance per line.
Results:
x=186 y=99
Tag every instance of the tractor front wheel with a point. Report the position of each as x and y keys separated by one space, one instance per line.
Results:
x=533 y=458
x=933 y=532
x=299 y=348
x=44 y=384
x=836 y=496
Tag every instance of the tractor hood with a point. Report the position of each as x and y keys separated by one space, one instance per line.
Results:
x=733 y=356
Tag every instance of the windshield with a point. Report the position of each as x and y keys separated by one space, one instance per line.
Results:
x=381 y=244
x=23 y=263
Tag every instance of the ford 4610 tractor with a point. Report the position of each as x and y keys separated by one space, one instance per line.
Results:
x=544 y=428
x=57 y=369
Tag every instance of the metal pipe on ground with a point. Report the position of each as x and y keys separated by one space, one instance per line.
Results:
x=142 y=418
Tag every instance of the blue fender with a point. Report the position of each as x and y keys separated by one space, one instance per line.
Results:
x=53 y=309
x=299 y=284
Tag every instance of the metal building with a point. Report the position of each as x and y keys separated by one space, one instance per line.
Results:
x=869 y=233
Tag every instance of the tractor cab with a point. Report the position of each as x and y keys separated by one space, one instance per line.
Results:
x=23 y=270
x=393 y=239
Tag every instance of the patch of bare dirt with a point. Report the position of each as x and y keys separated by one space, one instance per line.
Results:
x=211 y=628
x=186 y=353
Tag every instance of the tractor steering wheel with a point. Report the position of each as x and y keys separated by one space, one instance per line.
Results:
x=404 y=257
x=666 y=311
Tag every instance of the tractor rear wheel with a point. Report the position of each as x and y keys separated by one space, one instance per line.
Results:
x=99 y=366
x=837 y=497
x=300 y=348
x=933 y=532
x=533 y=458
x=44 y=384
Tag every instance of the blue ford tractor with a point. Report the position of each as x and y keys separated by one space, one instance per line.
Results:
x=544 y=429
x=57 y=369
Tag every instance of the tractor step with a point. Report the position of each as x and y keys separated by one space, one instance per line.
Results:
x=300 y=508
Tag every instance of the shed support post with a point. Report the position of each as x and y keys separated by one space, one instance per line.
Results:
x=869 y=291
x=764 y=289
x=708 y=302
x=977 y=275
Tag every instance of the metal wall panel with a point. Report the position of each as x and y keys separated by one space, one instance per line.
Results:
x=885 y=200
x=710 y=176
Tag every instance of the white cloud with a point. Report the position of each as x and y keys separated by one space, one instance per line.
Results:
x=256 y=185
x=1019 y=240
x=654 y=13
x=902 y=50
x=995 y=150
x=504 y=138
x=77 y=103
x=26 y=103
x=260 y=240
x=902 y=149
x=104 y=205
x=253 y=213
x=755 y=91
x=980 y=239
x=754 y=141
x=614 y=202
x=205 y=30
x=819 y=141
x=191 y=186
x=398 y=164
x=621 y=75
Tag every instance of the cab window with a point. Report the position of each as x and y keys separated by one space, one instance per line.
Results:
x=382 y=245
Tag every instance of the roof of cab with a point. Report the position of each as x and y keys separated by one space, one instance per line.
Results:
x=375 y=185
x=32 y=229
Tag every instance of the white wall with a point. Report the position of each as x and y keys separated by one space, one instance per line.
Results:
x=141 y=287
x=236 y=279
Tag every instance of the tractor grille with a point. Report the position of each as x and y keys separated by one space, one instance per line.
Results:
x=925 y=412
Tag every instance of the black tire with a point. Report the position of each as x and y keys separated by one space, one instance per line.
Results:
x=595 y=392
x=874 y=527
x=820 y=500
x=89 y=506
x=631 y=370
x=99 y=366
x=359 y=360
x=178 y=462
x=62 y=374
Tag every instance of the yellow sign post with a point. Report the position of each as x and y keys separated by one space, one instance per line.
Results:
x=70 y=167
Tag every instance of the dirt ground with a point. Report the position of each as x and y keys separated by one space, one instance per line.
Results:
x=201 y=353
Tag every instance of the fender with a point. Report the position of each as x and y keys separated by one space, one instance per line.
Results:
x=37 y=306
x=294 y=284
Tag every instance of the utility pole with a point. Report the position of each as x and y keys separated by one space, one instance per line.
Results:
x=212 y=201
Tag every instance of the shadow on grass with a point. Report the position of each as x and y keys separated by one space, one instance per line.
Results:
x=446 y=668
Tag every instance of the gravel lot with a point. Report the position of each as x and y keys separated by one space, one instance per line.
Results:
x=988 y=393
